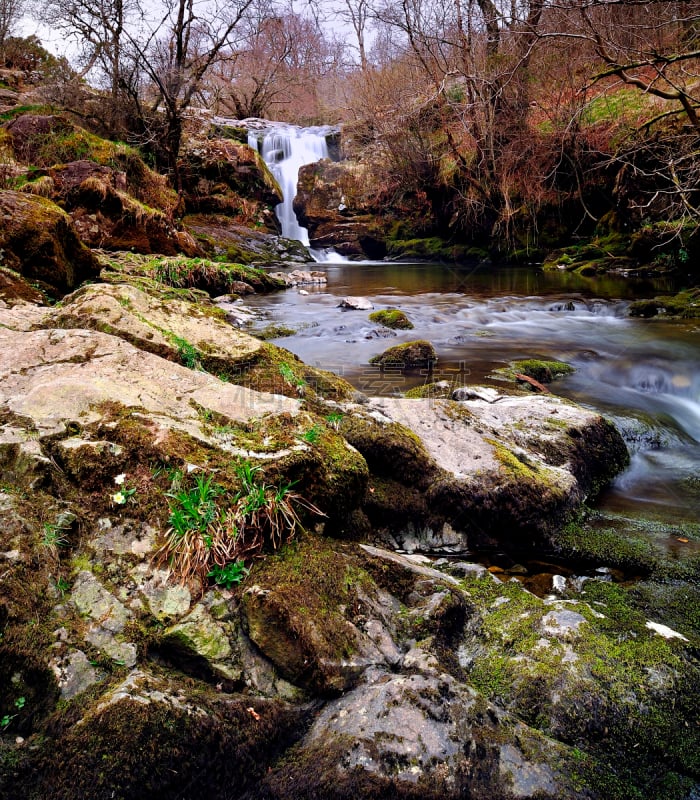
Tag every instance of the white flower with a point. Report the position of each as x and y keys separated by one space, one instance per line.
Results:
x=119 y=479
x=119 y=498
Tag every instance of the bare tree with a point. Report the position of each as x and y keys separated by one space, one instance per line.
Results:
x=97 y=27
x=281 y=58
x=176 y=51
x=10 y=13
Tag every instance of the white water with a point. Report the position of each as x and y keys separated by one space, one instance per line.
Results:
x=285 y=150
x=644 y=374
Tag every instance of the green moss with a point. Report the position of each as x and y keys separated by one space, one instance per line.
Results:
x=541 y=370
x=218 y=746
x=440 y=390
x=408 y=355
x=274 y=331
x=615 y=700
x=299 y=622
x=275 y=370
x=185 y=275
x=391 y=450
x=685 y=305
x=392 y=318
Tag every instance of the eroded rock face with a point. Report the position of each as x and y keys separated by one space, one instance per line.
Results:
x=39 y=242
x=489 y=471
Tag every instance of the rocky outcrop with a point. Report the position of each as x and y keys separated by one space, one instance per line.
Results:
x=139 y=433
x=113 y=198
x=40 y=243
x=503 y=471
x=219 y=173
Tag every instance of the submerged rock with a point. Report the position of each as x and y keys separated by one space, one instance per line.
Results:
x=408 y=355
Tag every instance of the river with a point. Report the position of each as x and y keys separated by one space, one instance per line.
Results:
x=643 y=374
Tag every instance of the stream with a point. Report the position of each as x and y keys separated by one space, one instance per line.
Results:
x=643 y=374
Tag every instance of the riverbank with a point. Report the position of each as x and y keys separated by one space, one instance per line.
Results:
x=138 y=428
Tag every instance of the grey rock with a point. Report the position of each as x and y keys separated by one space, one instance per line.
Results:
x=356 y=304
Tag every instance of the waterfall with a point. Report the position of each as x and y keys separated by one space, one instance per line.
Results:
x=285 y=149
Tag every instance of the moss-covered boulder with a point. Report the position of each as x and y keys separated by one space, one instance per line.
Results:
x=206 y=742
x=392 y=318
x=195 y=335
x=481 y=473
x=115 y=200
x=192 y=275
x=541 y=371
x=40 y=242
x=218 y=173
x=685 y=305
x=409 y=355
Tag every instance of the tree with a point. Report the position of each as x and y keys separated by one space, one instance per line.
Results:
x=10 y=13
x=653 y=46
x=280 y=59
x=175 y=52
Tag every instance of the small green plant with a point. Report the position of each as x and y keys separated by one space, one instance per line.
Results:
x=313 y=435
x=212 y=530
x=62 y=586
x=187 y=353
x=288 y=374
x=334 y=420
x=54 y=536
x=231 y=574
x=7 y=719
x=194 y=509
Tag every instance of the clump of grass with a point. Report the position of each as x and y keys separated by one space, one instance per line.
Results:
x=214 y=533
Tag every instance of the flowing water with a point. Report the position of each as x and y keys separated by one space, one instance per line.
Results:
x=643 y=374
x=285 y=149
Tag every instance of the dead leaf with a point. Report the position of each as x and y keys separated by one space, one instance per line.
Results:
x=682 y=539
x=254 y=714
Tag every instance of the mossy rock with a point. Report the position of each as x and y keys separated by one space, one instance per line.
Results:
x=685 y=305
x=39 y=241
x=620 y=700
x=208 y=744
x=540 y=370
x=390 y=449
x=409 y=355
x=180 y=272
x=441 y=390
x=277 y=371
x=392 y=318
x=14 y=288
x=294 y=614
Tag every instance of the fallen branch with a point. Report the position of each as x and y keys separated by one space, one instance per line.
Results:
x=527 y=379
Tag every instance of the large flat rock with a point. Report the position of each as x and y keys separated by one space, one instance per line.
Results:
x=504 y=470
x=55 y=377
x=166 y=327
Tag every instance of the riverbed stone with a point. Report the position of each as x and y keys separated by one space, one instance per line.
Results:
x=408 y=355
x=355 y=304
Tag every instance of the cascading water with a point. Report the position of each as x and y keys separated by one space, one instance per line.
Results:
x=285 y=150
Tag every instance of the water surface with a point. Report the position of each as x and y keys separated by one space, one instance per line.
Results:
x=644 y=374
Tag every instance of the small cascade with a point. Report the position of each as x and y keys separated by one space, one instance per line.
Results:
x=285 y=150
